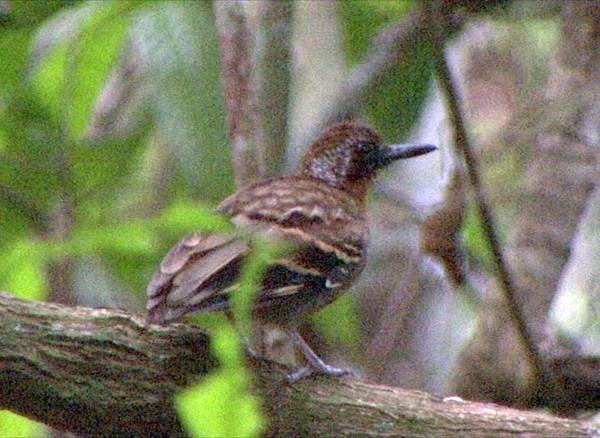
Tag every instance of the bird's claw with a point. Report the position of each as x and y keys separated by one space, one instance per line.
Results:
x=326 y=370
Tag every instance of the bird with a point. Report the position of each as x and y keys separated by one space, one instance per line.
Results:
x=321 y=211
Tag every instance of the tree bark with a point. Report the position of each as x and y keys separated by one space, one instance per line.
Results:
x=104 y=372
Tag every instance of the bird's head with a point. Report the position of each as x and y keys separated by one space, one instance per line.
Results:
x=349 y=156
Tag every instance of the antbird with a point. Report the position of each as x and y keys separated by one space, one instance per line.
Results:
x=321 y=211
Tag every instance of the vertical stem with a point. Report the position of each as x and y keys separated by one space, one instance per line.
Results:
x=462 y=144
x=241 y=91
x=276 y=81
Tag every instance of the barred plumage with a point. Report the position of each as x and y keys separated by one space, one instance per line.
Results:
x=321 y=211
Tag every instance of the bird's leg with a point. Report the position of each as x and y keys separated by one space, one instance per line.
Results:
x=317 y=363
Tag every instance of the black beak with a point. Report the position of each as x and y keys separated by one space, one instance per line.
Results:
x=395 y=152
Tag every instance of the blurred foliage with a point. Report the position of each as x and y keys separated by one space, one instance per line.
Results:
x=29 y=14
x=223 y=404
x=179 y=54
x=347 y=334
x=228 y=391
x=476 y=241
x=395 y=106
x=74 y=66
x=15 y=426
x=113 y=144
x=362 y=21
x=58 y=59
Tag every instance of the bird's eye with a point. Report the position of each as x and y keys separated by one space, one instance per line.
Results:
x=366 y=158
x=363 y=148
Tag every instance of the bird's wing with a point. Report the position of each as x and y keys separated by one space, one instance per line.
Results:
x=193 y=274
x=328 y=232
x=201 y=271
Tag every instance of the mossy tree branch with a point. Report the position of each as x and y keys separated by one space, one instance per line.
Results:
x=104 y=372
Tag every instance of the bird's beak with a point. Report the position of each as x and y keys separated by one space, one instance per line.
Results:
x=395 y=152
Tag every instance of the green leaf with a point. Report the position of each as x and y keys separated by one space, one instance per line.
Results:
x=184 y=216
x=103 y=168
x=394 y=105
x=223 y=404
x=16 y=223
x=328 y=322
x=23 y=270
x=32 y=13
x=14 y=57
x=262 y=254
x=30 y=162
x=75 y=66
x=476 y=240
x=133 y=237
x=16 y=426
x=361 y=20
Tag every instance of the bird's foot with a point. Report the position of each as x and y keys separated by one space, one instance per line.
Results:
x=326 y=370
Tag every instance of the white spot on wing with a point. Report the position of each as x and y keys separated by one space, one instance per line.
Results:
x=329 y=284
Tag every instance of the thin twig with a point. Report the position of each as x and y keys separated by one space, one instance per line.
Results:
x=462 y=144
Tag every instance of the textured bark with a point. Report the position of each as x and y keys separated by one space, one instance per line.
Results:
x=101 y=372
x=75 y=368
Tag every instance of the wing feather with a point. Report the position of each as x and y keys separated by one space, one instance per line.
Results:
x=196 y=268
x=191 y=280
x=325 y=224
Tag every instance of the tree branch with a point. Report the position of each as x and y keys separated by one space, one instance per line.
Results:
x=241 y=91
x=74 y=368
x=464 y=148
x=275 y=79
x=103 y=372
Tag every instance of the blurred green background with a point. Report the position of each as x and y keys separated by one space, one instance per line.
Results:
x=114 y=143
